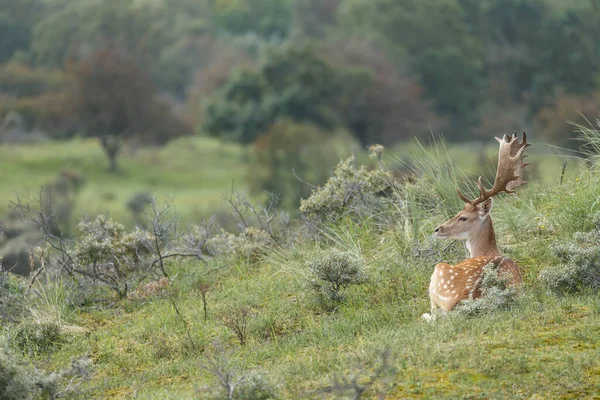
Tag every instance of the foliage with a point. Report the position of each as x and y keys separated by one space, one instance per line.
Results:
x=37 y=337
x=19 y=80
x=294 y=83
x=234 y=381
x=556 y=120
x=351 y=190
x=104 y=246
x=390 y=105
x=361 y=381
x=18 y=380
x=434 y=34
x=17 y=21
x=270 y=19
x=316 y=17
x=580 y=264
x=496 y=294
x=334 y=270
x=286 y=150
x=115 y=101
x=23 y=381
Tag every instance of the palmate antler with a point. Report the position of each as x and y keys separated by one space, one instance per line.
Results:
x=509 y=174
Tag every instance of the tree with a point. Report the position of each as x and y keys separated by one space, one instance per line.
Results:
x=435 y=39
x=289 y=149
x=294 y=83
x=315 y=17
x=17 y=19
x=270 y=19
x=115 y=101
x=387 y=105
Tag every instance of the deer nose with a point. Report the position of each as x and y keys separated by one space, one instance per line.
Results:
x=437 y=229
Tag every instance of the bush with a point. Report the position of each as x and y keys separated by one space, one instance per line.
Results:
x=351 y=190
x=580 y=267
x=105 y=252
x=496 y=294
x=256 y=386
x=334 y=270
x=20 y=380
x=104 y=243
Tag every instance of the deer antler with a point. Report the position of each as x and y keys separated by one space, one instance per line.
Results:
x=509 y=174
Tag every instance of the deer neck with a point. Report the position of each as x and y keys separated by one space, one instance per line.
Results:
x=482 y=242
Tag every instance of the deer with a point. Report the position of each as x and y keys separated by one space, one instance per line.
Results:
x=450 y=284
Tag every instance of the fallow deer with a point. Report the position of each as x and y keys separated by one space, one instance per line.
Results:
x=450 y=284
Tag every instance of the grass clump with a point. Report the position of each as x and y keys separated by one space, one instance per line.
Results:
x=496 y=294
x=38 y=337
x=334 y=270
x=580 y=267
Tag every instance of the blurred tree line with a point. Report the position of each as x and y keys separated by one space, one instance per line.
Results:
x=380 y=71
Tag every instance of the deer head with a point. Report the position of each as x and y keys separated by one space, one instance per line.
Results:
x=473 y=223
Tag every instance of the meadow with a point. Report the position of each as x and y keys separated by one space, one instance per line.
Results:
x=158 y=342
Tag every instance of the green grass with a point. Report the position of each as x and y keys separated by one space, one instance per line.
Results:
x=141 y=348
x=196 y=172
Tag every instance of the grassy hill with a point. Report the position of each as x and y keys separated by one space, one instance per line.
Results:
x=156 y=343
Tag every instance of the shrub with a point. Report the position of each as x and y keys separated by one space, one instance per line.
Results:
x=256 y=386
x=580 y=267
x=351 y=190
x=496 y=294
x=105 y=252
x=334 y=270
x=234 y=380
x=237 y=322
x=104 y=243
x=20 y=380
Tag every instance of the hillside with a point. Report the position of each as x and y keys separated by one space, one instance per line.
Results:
x=157 y=342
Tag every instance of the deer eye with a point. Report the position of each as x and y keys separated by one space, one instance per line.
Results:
x=462 y=219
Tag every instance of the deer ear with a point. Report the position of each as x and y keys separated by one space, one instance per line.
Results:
x=484 y=209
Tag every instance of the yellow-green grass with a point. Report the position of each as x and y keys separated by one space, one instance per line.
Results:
x=545 y=345
x=195 y=172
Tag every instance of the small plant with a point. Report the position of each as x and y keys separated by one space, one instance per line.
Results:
x=496 y=294
x=203 y=289
x=234 y=381
x=580 y=267
x=238 y=323
x=370 y=377
x=38 y=337
x=334 y=270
